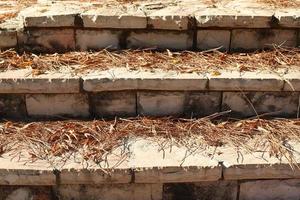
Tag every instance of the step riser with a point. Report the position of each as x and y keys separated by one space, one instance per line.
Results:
x=230 y=190
x=69 y=39
x=150 y=103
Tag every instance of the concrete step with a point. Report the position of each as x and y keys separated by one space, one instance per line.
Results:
x=151 y=165
x=60 y=26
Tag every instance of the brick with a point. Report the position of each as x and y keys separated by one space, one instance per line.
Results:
x=97 y=39
x=292 y=81
x=12 y=106
x=54 y=105
x=8 y=39
x=200 y=104
x=210 y=39
x=160 y=103
x=47 y=41
x=111 y=104
x=125 y=18
x=115 y=191
x=22 y=81
x=246 y=81
x=248 y=40
x=270 y=103
x=216 y=190
x=160 y=39
x=170 y=165
x=270 y=189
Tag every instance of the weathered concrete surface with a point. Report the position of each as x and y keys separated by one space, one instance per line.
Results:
x=170 y=164
x=8 y=39
x=245 y=81
x=54 y=105
x=270 y=190
x=216 y=190
x=124 y=79
x=111 y=104
x=113 y=192
x=201 y=104
x=210 y=39
x=160 y=40
x=246 y=104
x=97 y=39
x=12 y=106
x=160 y=103
x=107 y=17
x=22 y=81
x=44 y=40
x=252 y=39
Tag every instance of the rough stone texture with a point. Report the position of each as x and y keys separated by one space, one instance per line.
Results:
x=210 y=39
x=247 y=39
x=48 y=41
x=172 y=165
x=160 y=103
x=217 y=190
x=103 y=17
x=97 y=39
x=8 y=39
x=12 y=106
x=25 y=193
x=160 y=40
x=124 y=79
x=111 y=192
x=201 y=104
x=26 y=177
x=22 y=81
x=246 y=104
x=54 y=105
x=232 y=18
x=292 y=81
x=111 y=104
x=270 y=190
x=246 y=81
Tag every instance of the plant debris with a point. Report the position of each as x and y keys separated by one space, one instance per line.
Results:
x=184 y=62
x=46 y=139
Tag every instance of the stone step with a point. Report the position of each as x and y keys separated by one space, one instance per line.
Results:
x=122 y=92
x=67 y=26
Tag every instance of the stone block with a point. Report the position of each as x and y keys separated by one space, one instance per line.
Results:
x=292 y=81
x=104 y=17
x=55 y=105
x=47 y=40
x=233 y=18
x=246 y=104
x=22 y=81
x=246 y=81
x=26 y=193
x=288 y=17
x=160 y=40
x=170 y=165
x=113 y=192
x=253 y=39
x=12 y=106
x=8 y=39
x=97 y=39
x=111 y=104
x=210 y=39
x=270 y=189
x=200 y=104
x=160 y=103
x=216 y=190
